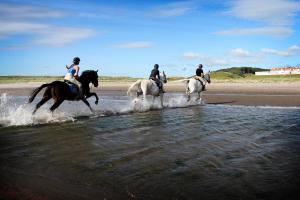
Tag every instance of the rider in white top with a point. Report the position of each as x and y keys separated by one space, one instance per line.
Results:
x=72 y=75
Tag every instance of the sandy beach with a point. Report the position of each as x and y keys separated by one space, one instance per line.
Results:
x=241 y=93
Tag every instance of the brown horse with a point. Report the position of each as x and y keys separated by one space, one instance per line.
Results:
x=60 y=91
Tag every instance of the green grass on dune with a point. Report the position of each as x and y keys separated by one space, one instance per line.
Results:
x=215 y=77
x=26 y=79
x=117 y=78
x=47 y=79
x=227 y=76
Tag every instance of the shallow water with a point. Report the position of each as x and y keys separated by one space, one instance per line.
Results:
x=126 y=151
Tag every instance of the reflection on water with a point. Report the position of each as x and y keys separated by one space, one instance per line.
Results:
x=198 y=152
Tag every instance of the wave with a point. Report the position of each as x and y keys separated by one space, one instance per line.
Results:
x=15 y=112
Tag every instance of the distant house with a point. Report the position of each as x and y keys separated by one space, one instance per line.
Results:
x=280 y=71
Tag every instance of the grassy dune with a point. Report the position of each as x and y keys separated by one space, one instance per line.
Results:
x=27 y=79
x=231 y=77
x=215 y=77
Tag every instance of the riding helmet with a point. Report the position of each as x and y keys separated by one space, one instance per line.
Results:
x=76 y=60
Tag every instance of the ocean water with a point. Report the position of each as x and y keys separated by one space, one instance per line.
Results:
x=139 y=151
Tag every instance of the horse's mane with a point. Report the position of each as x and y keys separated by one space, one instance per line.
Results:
x=87 y=74
x=84 y=73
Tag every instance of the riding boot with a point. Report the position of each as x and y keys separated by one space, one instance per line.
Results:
x=80 y=94
x=162 y=89
x=204 y=88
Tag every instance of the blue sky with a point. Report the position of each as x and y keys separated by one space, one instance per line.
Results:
x=126 y=38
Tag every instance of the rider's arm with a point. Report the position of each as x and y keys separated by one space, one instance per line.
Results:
x=202 y=73
x=77 y=71
x=158 y=76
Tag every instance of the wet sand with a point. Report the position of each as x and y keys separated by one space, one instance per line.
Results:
x=252 y=94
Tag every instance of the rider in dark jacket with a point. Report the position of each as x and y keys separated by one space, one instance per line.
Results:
x=199 y=71
x=200 y=75
x=155 y=76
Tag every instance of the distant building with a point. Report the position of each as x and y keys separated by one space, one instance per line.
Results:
x=280 y=71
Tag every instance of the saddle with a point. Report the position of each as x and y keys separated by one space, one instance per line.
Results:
x=73 y=88
x=201 y=82
x=157 y=82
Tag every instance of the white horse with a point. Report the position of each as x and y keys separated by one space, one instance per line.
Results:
x=148 y=87
x=196 y=86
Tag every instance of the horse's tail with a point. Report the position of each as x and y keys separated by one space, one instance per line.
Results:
x=136 y=85
x=186 y=81
x=36 y=91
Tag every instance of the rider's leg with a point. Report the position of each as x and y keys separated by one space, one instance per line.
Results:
x=199 y=78
x=162 y=89
x=80 y=93
x=160 y=86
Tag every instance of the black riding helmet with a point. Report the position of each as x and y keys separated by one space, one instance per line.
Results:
x=200 y=65
x=156 y=66
x=76 y=61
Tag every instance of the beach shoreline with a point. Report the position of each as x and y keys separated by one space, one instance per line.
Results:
x=286 y=94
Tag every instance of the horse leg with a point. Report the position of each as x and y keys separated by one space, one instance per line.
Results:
x=46 y=97
x=144 y=98
x=93 y=94
x=88 y=104
x=199 y=97
x=44 y=100
x=153 y=99
x=188 y=96
x=187 y=91
x=56 y=104
x=162 y=100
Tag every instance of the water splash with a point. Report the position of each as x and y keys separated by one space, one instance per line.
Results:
x=15 y=114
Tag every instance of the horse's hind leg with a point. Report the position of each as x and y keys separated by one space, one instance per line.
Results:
x=187 y=91
x=56 y=104
x=88 y=104
x=45 y=98
x=199 y=98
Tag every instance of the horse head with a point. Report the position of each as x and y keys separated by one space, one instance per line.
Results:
x=163 y=77
x=207 y=77
x=89 y=76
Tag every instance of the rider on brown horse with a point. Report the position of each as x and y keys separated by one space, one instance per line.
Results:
x=72 y=75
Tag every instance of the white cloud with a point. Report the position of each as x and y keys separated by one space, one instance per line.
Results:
x=206 y=60
x=172 y=9
x=238 y=52
x=19 y=19
x=245 y=57
x=134 y=45
x=292 y=50
x=191 y=56
x=277 y=17
x=8 y=28
x=273 y=31
x=44 y=34
x=59 y=36
x=26 y=11
x=274 y=12
x=220 y=62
